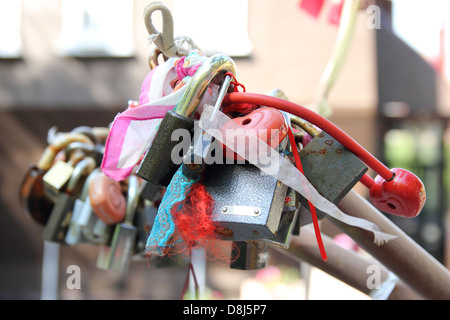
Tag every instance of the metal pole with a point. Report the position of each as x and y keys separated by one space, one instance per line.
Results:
x=50 y=271
x=404 y=257
x=347 y=266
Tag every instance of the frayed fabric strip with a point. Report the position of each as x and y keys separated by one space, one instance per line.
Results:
x=269 y=161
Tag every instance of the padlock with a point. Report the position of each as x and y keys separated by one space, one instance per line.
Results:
x=151 y=192
x=247 y=204
x=106 y=199
x=85 y=226
x=117 y=257
x=57 y=177
x=74 y=235
x=33 y=194
x=249 y=255
x=94 y=151
x=158 y=166
x=268 y=124
x=58 y=223
x=331 y=168
x=289 y=222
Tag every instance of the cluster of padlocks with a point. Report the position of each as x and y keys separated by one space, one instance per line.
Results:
x=263 y=170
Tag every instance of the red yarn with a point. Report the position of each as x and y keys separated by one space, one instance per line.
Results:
x=195 y=227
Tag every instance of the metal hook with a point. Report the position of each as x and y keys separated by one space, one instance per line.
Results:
x=164 y=40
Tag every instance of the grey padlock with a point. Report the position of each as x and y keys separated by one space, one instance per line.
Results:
x=58 y=223
x=289 y=221
x=118 y=255
x=249 y=255
x=158 y=166
x=74 y=235
x=331 y=168
x=247 y=204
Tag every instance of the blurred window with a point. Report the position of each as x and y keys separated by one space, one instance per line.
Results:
x=10 y=34
x=100 y=28
x=216 y=26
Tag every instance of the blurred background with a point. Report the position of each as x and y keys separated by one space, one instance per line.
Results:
x=69 y=63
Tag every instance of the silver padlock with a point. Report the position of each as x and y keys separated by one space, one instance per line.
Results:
x=74 y=235
x=117 y=257
x=247 y=204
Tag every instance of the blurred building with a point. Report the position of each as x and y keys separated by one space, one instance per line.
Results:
x=71 y=63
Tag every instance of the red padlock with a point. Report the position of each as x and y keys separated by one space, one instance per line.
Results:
x=107 y=199
x=404 y=195
x=268 y=124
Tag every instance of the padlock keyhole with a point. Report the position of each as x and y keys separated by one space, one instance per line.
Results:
x=391 y=206
x=246 y=121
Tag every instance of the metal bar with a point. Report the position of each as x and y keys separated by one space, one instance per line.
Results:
x=404 y=257
x=347 y=266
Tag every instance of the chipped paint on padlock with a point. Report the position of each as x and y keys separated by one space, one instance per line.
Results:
x=331 y=168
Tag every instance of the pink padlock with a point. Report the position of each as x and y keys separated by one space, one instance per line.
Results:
x=268 y=124
x=106 y=199
x=404 y=195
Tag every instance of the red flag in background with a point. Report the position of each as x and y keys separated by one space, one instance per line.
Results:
x=334 y=15
x=314 y=7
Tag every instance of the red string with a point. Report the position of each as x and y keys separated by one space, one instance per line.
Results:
x=186 y=283
x=195 y=227
x=235 y=83
x=298 y=163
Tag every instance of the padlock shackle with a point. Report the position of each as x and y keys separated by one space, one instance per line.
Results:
x=85 y=191
x=214 y=66
x=133 y=195
x=83 y=167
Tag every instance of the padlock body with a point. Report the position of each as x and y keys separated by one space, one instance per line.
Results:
x=122 y=247
x=33 y=198
x=249 y=255
x=106 y=199
x=268 y=124
x=158 y=166
x=331 y=168
x=74 y=235
x=56 y=178
x=247 y=204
